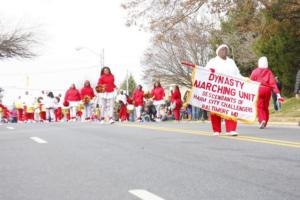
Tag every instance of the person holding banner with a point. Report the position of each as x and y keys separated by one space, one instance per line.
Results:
x=267 y=83
x=224 y=65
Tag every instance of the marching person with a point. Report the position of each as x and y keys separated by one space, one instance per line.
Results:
x=138 y=101
x=20 y=109
x=50 y=107
x=58 y=108
x=28 y=102
x=72 y=98
x=2 y=109
x=224 y=65
x=106 y=95
x=176 y=101
x=122 y=100
x=267 y=82
x=41 y=99
x=158 y=95
x=87 y=95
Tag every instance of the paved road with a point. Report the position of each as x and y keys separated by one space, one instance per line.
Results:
x=151 y=161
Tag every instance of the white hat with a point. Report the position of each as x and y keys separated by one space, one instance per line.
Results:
x=220 y=47
x=263 y=62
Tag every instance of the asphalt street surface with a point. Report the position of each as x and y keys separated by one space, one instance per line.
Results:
x=149 y=161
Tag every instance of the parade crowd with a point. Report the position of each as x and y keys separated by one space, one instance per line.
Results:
x=101 y=103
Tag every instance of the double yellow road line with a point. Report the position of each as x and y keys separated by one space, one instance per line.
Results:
x=206 y=133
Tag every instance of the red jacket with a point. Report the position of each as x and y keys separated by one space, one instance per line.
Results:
x=138 y=97
x=265 y=77
x=87 y=91
x=176 y=98
x=158 y=93
x=109 y=81
x=72 y=95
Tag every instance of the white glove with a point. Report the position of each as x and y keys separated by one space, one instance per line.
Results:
x=278 y=96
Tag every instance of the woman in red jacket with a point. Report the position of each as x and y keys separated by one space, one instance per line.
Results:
x=72 y=96
x=106 y=98
x=87 y=94
x=267 y=83
x=138 y=99
x=158 y=95
x=176 y=100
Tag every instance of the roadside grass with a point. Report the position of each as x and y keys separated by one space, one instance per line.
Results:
x=290 y=111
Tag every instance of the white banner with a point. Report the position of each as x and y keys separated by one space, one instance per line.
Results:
x=230 y=97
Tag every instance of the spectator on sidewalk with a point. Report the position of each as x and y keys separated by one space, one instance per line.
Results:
x=277 y=104
x=297 y=85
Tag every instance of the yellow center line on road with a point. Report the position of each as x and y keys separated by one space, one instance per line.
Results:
x=207 y=133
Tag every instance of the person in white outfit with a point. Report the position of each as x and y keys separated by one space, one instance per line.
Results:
x=223 y=65
x=50 y=107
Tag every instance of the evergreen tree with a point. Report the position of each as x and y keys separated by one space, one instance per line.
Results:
x=131 y=85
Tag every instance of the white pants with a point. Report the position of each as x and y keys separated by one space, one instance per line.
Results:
x=50 y=114
x=86 y=111
x=157 y=105
x=73 y=109
x=106 y=108
x=138 y=112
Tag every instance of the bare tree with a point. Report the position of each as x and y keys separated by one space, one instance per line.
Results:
x=190 y=41
x=164 y=15
x=17 y=43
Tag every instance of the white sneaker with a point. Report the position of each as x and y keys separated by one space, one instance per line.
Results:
x=216 y=133
x=102 y=122
x=111 y=121
x=262 y=125
x=232 y=133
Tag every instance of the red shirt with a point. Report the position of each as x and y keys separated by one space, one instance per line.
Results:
x=265 y=77
x=138 y=97
x=87 y=91
x=175 y=96
x=158 y=93
x=109 y=81
x=72 y=95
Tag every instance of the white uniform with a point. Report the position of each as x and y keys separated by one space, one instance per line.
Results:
x=226 y=67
